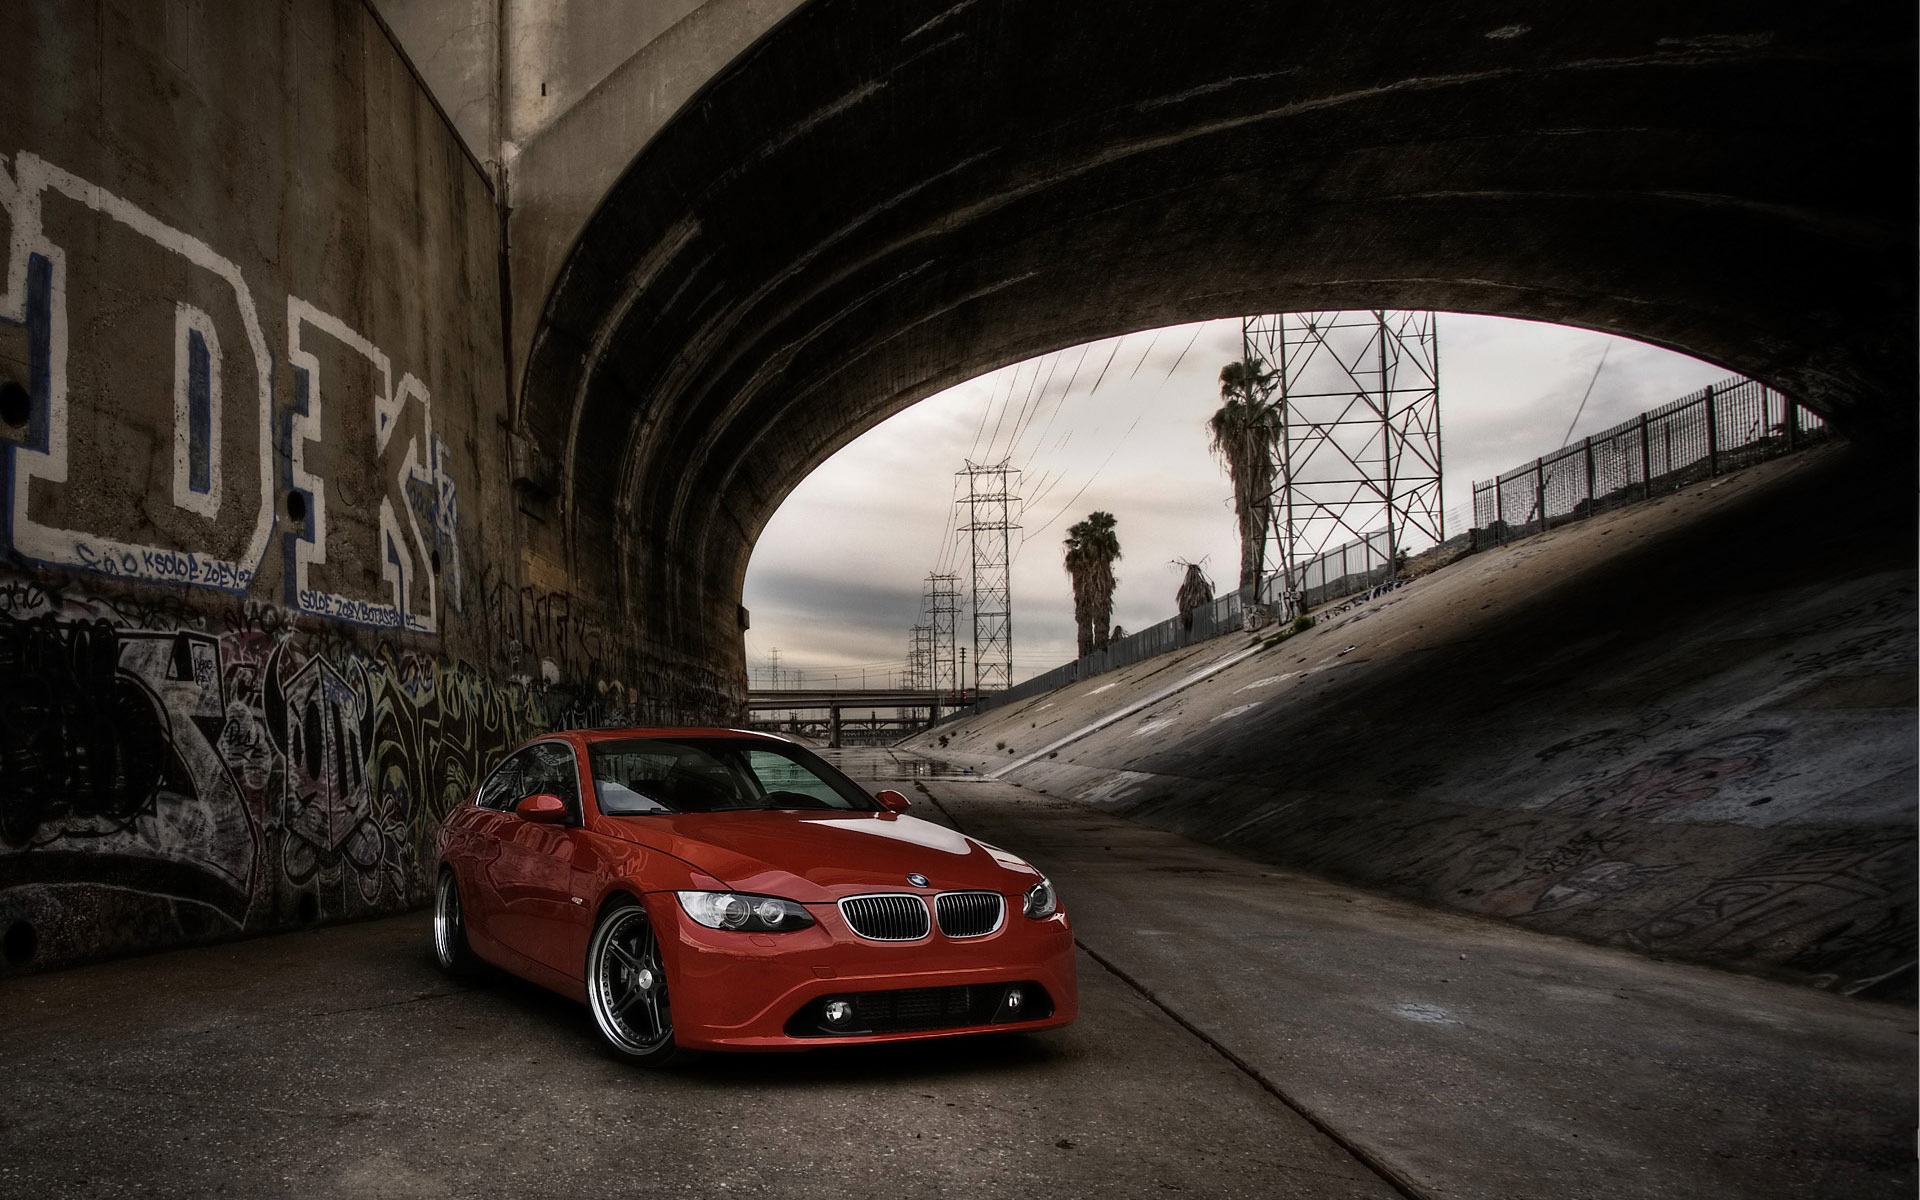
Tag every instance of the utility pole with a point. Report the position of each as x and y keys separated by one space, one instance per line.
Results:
x=989 y=502
x=942 y=603
x=773 y=667
x=1359 y=408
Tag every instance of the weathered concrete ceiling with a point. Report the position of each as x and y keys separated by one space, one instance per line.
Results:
x=884 y=197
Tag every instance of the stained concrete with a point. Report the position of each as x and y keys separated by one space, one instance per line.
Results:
x=1472 y=1059
x=876 y=199
x=1686 y=727
x=262 y=605
x=1241 y=1028
x=341 y=1063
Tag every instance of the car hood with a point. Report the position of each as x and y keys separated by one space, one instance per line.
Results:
x=817 y=857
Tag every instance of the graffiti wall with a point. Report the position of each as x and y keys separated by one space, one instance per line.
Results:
x=166 y=775
x=253 y=450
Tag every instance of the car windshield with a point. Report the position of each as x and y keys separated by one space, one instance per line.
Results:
x=635 y=776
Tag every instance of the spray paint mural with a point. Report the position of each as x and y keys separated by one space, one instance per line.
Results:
x=200 y=737
x=225 y=775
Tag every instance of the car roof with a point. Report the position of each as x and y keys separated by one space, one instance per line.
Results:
x=591 y=736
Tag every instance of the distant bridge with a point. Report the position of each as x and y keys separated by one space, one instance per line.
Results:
x=835 y=701
x=772 y=699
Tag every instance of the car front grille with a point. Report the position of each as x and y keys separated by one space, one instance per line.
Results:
x=969 y=914
x=919 y=1010
x=886 y=918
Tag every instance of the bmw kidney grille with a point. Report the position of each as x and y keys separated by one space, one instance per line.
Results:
x=886 y=918
x=969 y=914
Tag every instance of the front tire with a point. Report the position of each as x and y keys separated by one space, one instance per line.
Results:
x=627 y=989
x=450 y=948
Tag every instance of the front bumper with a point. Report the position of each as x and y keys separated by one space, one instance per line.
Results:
x=744 y=991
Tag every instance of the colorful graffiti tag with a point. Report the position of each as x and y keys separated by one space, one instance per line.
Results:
x=236 y=768
x=171 y=769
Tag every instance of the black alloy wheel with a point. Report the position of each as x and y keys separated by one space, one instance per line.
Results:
x=627 y=989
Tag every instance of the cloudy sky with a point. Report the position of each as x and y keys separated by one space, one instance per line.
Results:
x=836 y=581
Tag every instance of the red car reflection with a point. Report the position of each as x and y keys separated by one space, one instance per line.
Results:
x=709 y=889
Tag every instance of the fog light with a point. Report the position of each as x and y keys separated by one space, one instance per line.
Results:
x=839 y=1012
x=1013 y=999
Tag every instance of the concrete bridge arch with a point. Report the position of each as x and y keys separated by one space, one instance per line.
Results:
x=876 y=200
x=339 y=456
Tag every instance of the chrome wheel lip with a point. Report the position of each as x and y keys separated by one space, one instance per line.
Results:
x=623 y=977
x=446 y=919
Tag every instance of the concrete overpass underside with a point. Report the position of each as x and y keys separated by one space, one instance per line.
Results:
x=341 y=448
x=881 y=199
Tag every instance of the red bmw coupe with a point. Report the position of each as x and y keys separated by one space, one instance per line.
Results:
x=710 y=889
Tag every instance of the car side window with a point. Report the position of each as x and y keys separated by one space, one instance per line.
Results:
x=551 y=767
x=627 y=782
x=502 y=791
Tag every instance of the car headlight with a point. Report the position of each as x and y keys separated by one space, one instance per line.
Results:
x=746 y=914
x=1041 y=902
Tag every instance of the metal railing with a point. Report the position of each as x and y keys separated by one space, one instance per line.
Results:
x=1721 y=428
x=1360 y=564
x=1224 y=615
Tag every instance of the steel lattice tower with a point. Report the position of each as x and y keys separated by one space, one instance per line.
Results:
x=942 y=604
x=917 y=657
x=1359 y=401
x=989 y=502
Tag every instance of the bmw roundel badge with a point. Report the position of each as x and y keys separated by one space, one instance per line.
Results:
x=917 y=879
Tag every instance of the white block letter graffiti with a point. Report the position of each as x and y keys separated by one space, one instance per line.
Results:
x=128 y=327
x=362 y=458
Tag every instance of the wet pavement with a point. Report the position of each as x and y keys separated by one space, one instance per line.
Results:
x=1243 y=1033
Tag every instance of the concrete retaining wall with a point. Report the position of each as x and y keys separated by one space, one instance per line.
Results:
x=261 y=609
x=1687 y=727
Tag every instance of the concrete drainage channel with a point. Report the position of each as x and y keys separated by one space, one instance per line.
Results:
x=1393 y=1178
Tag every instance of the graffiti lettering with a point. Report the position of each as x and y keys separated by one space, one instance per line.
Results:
x=372 y=438
x=233 y=772
x=149 y=453
x=90 y=352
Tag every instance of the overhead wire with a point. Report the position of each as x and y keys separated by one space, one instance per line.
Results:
x=1151 y=343
x=1001 y=419
x=1083 y=487
x=1011 y=375
x=1197 y=329
x=1593 y=379
x=1060 y=402
x=1028 y=403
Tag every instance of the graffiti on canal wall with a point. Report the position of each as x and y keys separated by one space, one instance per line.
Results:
x=1844 y=897
x=234 y=766
x=175 y=762
x=150 y=444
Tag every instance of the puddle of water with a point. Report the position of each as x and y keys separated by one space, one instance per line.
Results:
x=869 y=763
x=1151 y=727
x=1426 y=1014
x=1235 y=712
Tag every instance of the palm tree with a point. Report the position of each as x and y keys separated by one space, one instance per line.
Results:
x=1196 y=589
x=1092 y=549
x=1244 y=433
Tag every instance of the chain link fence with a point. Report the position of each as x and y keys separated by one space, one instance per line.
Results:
x=1363 y=563
x=1721 y=428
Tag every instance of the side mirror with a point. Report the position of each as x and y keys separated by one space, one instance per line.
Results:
x=892 y=801
x=544 y=808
